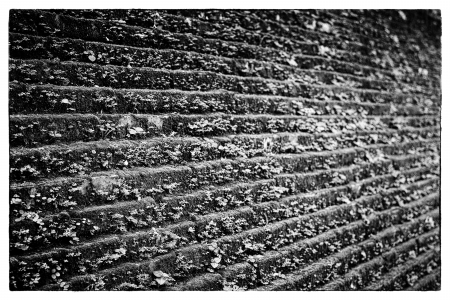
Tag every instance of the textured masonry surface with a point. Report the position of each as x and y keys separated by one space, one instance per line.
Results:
x=224 y=150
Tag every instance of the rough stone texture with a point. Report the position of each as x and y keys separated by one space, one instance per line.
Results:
x=224 y=150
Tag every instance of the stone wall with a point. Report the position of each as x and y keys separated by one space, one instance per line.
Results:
x=224 y=150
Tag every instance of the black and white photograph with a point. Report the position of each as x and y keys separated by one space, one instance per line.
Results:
x=212 y=149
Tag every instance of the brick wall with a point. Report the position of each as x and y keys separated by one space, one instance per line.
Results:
x=224 y=150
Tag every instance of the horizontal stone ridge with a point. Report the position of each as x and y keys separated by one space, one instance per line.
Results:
x=44 y=129
x=207 y=150
x=90 y=74
x=64 y=160
x=28 y=99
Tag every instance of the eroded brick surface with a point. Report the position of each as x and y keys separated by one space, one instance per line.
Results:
x=224 y=150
